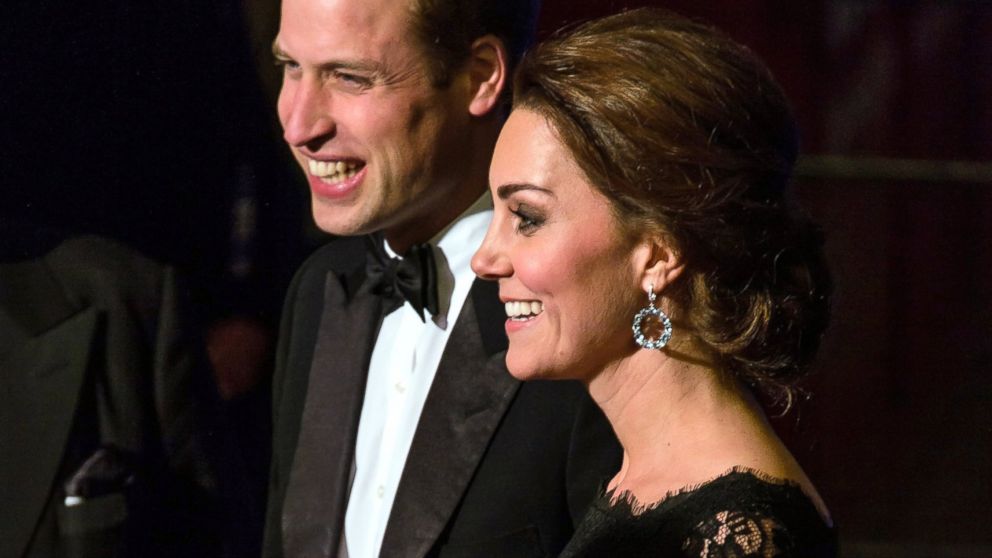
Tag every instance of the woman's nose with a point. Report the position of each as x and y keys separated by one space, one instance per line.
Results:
x=490 y=260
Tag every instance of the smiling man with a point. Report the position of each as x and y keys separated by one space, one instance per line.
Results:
x=397 y=430
x=384 y=146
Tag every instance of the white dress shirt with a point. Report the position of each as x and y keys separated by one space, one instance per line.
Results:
x=404 y=362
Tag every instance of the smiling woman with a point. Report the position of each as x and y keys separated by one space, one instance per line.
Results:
x=557 y=236
x=645 y=164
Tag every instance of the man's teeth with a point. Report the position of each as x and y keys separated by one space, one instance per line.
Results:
x=523 y=309
x=333 y=171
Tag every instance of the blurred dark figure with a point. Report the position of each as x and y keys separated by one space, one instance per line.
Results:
x=145 y=122
x=101 y=405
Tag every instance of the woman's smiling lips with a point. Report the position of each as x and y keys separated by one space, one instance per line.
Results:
x=335 y=179
x=522 y=313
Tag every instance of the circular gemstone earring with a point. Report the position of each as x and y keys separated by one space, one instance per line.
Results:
x=652 y=317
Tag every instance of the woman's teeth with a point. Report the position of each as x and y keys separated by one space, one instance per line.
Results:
x=523 y=309
x=334 y=171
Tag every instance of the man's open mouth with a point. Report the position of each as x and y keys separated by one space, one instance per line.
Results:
x=332 y=172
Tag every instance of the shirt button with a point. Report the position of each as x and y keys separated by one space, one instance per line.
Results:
x=381 y=491
x=400 y=388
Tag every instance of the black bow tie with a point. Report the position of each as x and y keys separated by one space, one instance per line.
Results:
x=412 y=277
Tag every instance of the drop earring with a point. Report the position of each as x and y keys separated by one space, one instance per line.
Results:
x=651 y=312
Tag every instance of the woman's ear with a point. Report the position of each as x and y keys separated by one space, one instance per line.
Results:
x=487 y=72
x=661 y=264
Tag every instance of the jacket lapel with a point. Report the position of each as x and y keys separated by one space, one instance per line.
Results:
x=313 y=513
x=40 y=382
x=470 y=394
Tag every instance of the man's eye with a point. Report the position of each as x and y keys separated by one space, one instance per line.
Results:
x=353 y=80
x=287 y=66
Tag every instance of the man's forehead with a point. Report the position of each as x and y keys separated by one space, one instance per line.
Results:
x=358 y=25
x=361 y=15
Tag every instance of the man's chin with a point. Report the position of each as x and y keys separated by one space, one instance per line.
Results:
x=333 y=224
x=340 y=221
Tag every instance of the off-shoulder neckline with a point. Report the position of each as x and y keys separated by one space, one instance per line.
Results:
x=626 y=503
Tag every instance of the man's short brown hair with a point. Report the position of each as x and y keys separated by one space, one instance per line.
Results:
x=447 y=28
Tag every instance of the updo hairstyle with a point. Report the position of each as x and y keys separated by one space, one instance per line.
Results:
x=690 y=137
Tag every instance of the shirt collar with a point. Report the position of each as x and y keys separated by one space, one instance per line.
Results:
x=453 y=248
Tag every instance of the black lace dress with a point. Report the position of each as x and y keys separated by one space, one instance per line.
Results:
x=740 y=514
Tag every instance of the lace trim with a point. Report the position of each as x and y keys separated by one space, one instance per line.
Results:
x=742 y=513
x=726 y=532
x=626 y=501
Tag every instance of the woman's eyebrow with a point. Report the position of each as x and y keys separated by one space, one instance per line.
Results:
x=506 y=190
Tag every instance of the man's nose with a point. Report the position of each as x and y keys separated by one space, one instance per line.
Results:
x=306 y=118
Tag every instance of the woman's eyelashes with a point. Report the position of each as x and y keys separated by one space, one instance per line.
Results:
x=528 y=219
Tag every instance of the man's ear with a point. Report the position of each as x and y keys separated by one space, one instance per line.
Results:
x=661 y=263
x=487 y=71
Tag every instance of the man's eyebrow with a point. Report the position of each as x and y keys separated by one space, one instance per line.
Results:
x=361 y=64
x=506 y=190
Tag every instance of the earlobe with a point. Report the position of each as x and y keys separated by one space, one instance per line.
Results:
x=487 y=71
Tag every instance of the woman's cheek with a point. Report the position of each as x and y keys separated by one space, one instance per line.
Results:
x=538 y=271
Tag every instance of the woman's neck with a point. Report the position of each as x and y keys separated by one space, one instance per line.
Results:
x=666 y=412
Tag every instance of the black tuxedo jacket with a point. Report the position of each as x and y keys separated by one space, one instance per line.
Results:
x=93 y=361
x=496 y=467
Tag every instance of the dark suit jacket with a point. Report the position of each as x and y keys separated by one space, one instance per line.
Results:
x=93 y=360
x=496 y=467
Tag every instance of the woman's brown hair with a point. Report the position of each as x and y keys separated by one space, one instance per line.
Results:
x=689 y=136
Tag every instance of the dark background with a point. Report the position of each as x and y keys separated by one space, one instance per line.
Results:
x=153 y=122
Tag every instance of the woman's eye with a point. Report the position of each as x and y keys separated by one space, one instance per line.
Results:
x=528 y=221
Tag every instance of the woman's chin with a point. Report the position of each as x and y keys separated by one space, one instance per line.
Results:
x=527 y=371
x=522 y=373
x=521 y=369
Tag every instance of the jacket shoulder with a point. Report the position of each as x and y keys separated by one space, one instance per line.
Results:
x=341 y=256
x=94 y=269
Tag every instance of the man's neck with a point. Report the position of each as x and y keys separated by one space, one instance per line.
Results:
x=401 y=237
